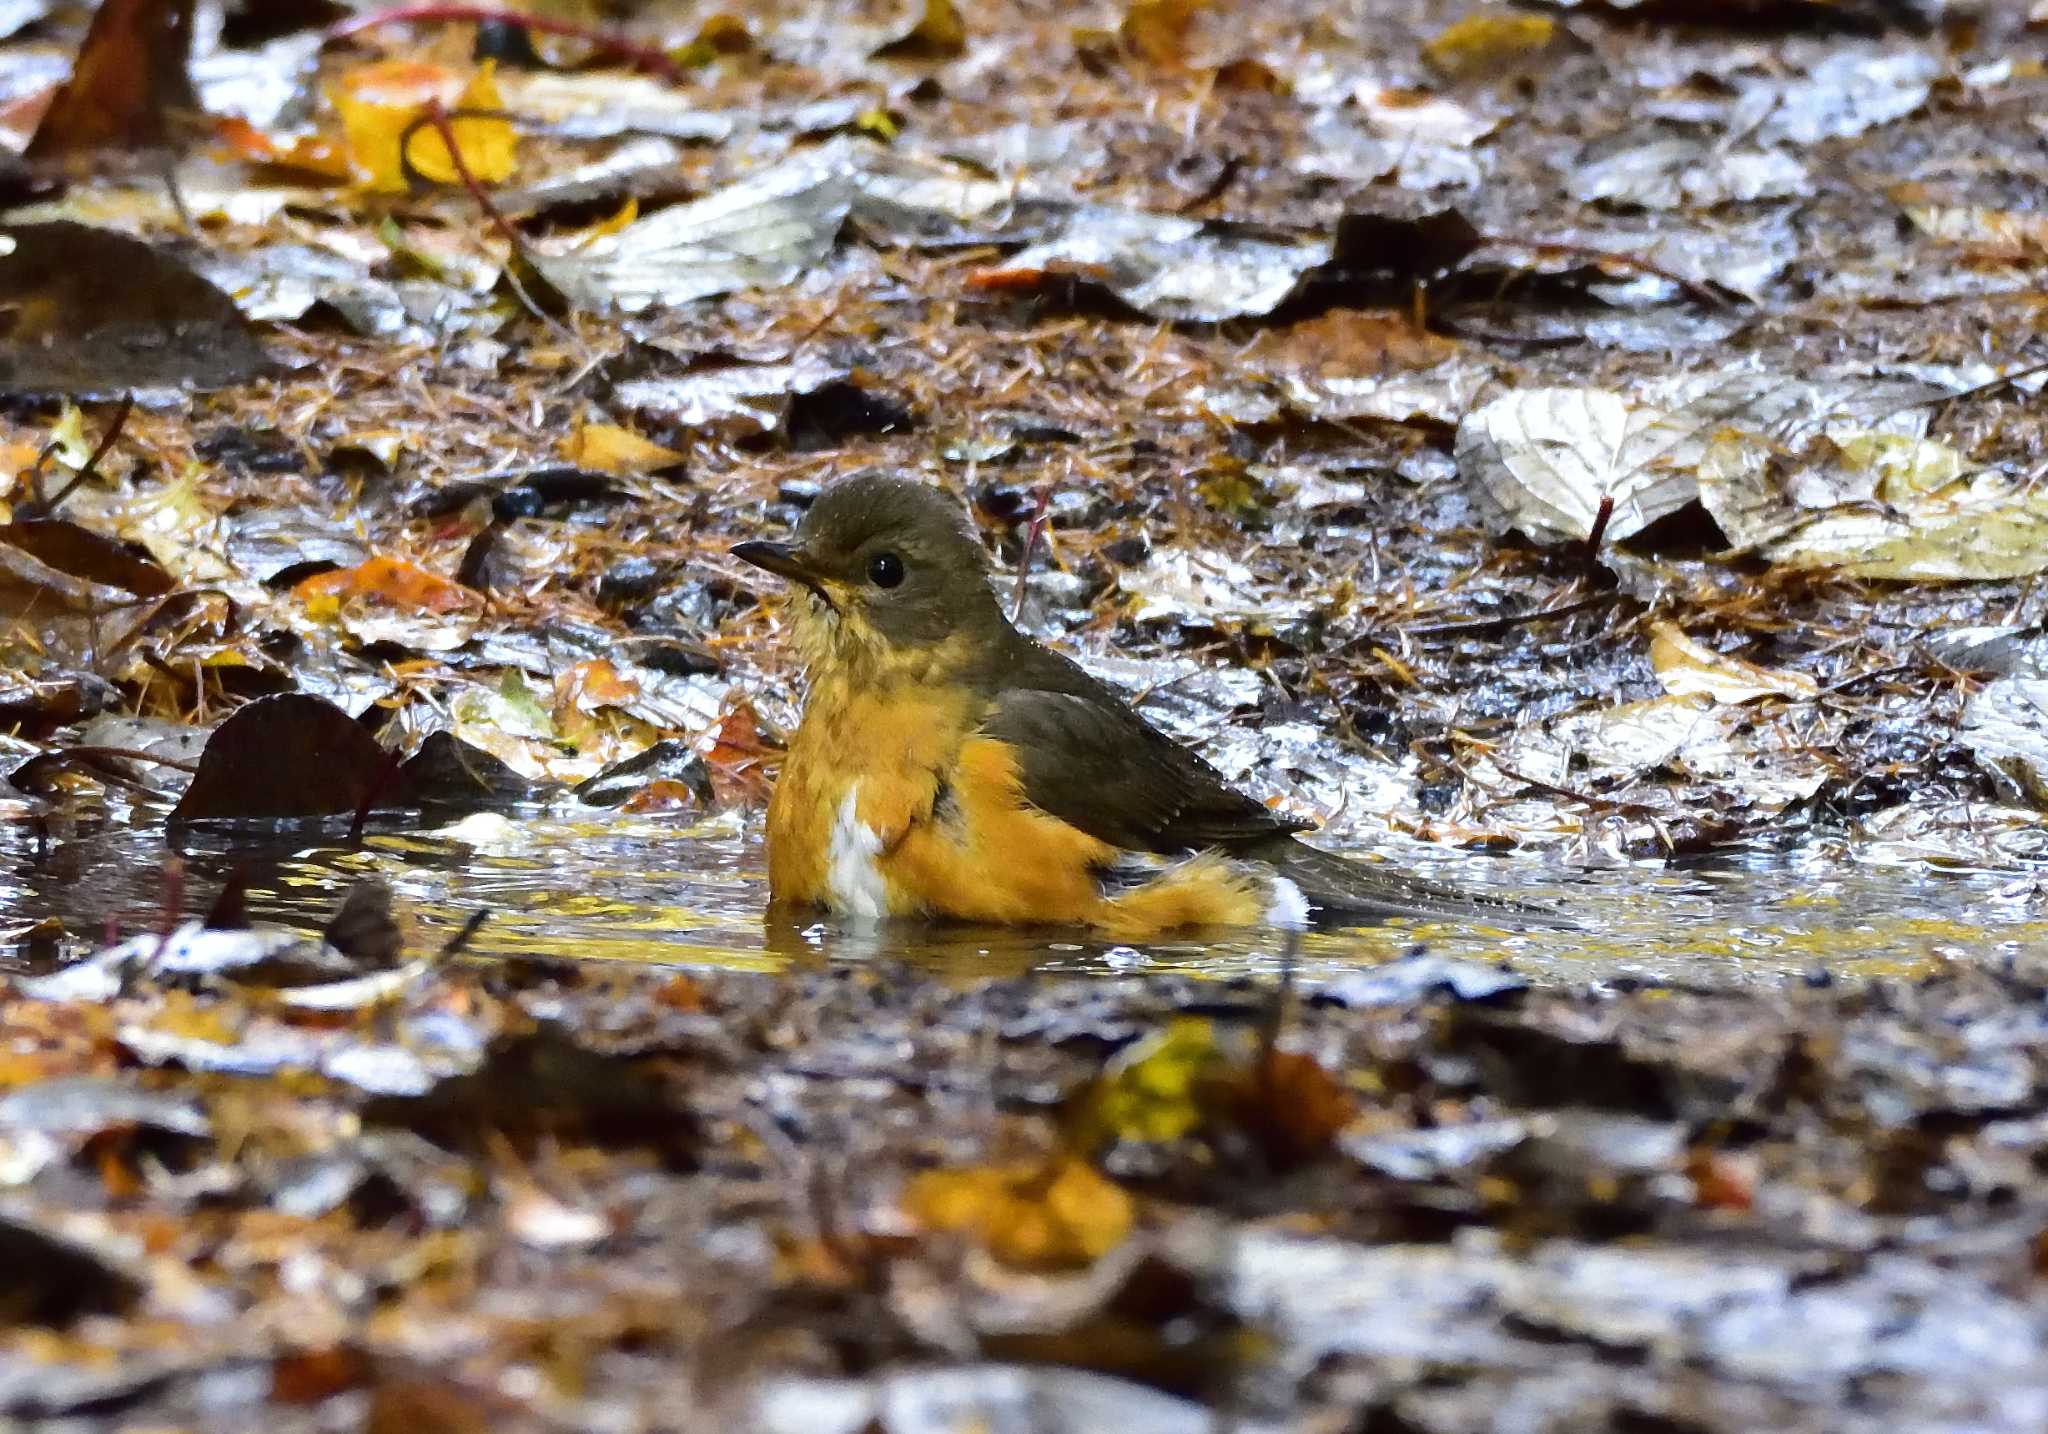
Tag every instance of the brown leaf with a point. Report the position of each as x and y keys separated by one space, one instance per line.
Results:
x=89 y=311
x=286 y=757
x=130 y=89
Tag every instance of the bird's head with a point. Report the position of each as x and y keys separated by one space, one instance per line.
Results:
x=886 y=578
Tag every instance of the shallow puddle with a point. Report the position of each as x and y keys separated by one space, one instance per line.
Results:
x=642 y=889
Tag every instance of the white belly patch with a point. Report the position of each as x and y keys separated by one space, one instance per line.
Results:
x=851 y=872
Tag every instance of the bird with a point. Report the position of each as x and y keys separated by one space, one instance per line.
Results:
x=948 y=766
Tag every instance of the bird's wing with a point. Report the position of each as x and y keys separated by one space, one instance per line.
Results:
x=1088 y=759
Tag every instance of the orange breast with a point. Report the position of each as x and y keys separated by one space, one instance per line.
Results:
x=985 y=855
x=890 y=804
x=863 y=771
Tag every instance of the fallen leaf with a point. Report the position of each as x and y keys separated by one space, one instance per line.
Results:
x=1041 y=1215
x=394 y=581
x=609 y=448
x=1998 y=235
x=758 y=233
x=288 y=756
x=1481 y=43
x=939 y=33
x=1687 y=667
x=2005 y=726
x=1164 y=265
x=131 y=89
x=1152 y=1092
x=88 y=312
x=1157 y=30
x=1874 y=506
x=381 y=104
x=1546 y=458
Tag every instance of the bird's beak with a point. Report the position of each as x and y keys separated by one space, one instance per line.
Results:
x=785 y=560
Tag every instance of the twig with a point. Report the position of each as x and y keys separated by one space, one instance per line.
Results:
x=1600 y=521
x=433 y=114
x=1495 y=626
x=643 y=57
x=441 y=118
x=39 y=508
x=454 y=944
x=1031 y=536
x=1702 y=292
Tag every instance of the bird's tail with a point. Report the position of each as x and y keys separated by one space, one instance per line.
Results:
x=1339 y=889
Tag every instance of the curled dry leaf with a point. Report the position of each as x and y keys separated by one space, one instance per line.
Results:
x=1687 y=667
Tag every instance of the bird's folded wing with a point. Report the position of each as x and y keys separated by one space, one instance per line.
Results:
x=1086 y=758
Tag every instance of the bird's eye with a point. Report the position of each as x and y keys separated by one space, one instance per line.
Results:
x=885 y=570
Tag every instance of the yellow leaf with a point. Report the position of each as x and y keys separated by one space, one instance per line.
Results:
x=1037 y=1215
x=1153 y=1092
x=1479 y=43
x=608 y=448
x=378 y=103
x=1905 y=467
x=938 y=34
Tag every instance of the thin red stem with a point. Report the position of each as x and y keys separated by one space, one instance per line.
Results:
x=435 y=115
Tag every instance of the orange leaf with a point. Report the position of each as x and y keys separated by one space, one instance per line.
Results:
x=665 y=794
x=389 y=580
x=1293 y=1107
x=308 y=154
x=1157 y=30
x=609 y=448
x=592 y=684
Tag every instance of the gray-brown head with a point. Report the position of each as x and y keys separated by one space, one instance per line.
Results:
x=890 y=573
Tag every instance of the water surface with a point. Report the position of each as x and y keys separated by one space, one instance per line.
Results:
x=646 y=889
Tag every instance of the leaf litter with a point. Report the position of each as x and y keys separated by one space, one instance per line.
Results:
x=1608 y=439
